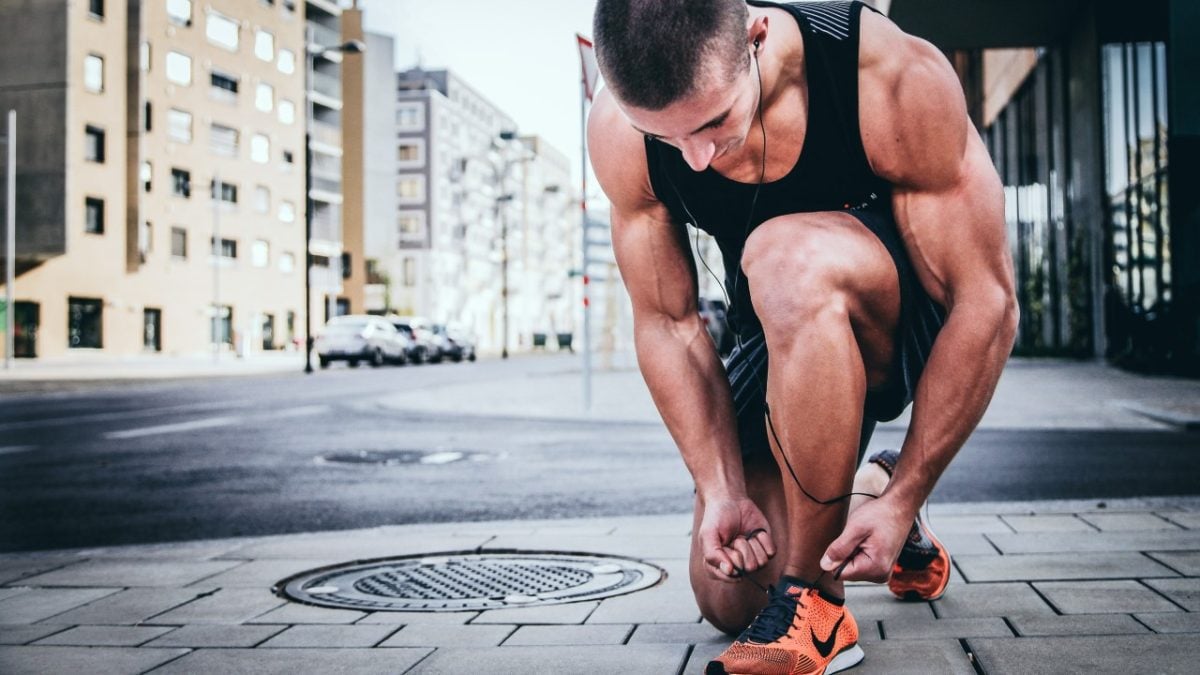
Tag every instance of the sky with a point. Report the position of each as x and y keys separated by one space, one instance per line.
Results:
x=521 y=55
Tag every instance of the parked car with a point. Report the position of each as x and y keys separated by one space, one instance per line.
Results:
x=423 y=349
x=356 y=338
x=713 y=312
x=454 y=344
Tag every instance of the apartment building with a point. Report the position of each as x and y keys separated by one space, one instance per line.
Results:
x=160 y=174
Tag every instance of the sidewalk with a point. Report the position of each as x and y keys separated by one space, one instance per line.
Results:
x=1042 y=587
x=99 y=367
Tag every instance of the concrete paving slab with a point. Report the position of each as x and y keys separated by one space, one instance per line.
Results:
x=1183 y=592
x=947 y=523
x=292 y=661
x=924 y=629
x=624 y=659
x=9 y=591
x=338 y=637
x=228 y=605
x=570 y=613
x=175 y=550
x=1047 y=523
x=414 y=618
x=915 y=657
x=701 y=655
x=107 y=660
x=106 y=636
x=216 y=636
x=655 y=605
x=633 y=546
x=296 y=613
x=678 y=633
x=353 y=545
x=130 y=606
x=603 y=634
x=17 y=566
x=1159 y=654
x=1093 y=542
x=19 y=635
x=1184 y=562
x=435 y=635
x=265 y=573
x=163 y=573
x=1126 y=522
x=1190 y=520
x=40 y=604
x=1100 y=597
x=1048 y=566
x=873 y=603
x=667 y=525
x=1078 y=624
x=1171 y=622
x=966 y=544
x=983 y=600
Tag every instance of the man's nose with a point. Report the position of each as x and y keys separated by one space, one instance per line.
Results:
x=699 y=154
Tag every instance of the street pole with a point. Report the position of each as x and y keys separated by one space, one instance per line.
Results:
x=217 y=251
x=587 y=314
x=10 y=242
x=504 y=279
x=308 y=208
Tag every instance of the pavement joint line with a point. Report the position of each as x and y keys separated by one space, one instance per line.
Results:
x=1150 y=555
x=413 y=667
x=1167 y=520
x=1054 y=608
x=975 y=664
x=1162 y=595
x=1008 y=622
x=687 y=657
x=1085 y=522
x=1148 y=626
x=188 y=651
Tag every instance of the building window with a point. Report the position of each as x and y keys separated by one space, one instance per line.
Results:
x=96 y=8
x=260 y=148
x=179 y=68
x=145 y=240
x=147 y=116
x=225 y=192
x=152 y=329
x=260 y=253
x=226 y=249
x=147 y=176
x=144 y=57
x=287 y=111
x=223 y=140
x=287 y=212
x=411 y=153
x=222 y=325
x=94 y=215
x=179 y=125
x=411 y=189
x=84 y=323
x=291 y=315
x=224 y=87
x=262 y=199
x=410 y=272
x=264 y=97
x=287 y=263
x=221 y=31
x=286 y=62
x=93 y=73
x=289 y=5
x=264 y=45
x=181 y=182
x=410 y=117
x=93 y=144
x=179 y=243
x=180 y=12
x=289 y=158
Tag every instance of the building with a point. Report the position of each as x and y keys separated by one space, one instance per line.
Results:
x=1090 y=110
x=160 y=183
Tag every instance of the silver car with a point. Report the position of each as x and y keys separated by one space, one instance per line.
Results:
x=359 y=337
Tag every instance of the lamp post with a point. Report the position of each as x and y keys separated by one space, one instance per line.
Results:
x=311 y=51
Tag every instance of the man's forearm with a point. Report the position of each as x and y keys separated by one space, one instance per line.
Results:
x=954 y=391
x=688 y=384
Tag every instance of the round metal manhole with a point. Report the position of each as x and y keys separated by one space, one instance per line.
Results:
x=399 y=457
x=469 y=581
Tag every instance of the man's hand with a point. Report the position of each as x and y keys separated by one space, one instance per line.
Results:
x=869 y=545
x=733 y=535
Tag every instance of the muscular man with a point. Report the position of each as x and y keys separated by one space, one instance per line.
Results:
x=859 y=217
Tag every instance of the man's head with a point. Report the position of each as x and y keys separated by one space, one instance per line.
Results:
x=653 y=53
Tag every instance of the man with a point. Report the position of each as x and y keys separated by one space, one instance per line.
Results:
x=859 y=217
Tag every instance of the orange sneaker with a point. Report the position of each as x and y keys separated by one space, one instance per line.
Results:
x=922 y=571
x=801 y=631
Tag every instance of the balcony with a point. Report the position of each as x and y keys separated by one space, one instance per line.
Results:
x=326 y=134
x=324 y=36
x=327 y=85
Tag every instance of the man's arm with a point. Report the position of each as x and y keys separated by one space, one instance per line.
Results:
x=949 y=207
x=676 y=356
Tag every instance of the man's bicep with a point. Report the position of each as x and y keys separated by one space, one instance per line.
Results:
x=652 y=255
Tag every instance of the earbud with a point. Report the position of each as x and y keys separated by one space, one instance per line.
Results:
x=756 y=46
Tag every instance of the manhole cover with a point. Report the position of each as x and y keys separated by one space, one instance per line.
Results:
x=399 y=457
x=469 y=581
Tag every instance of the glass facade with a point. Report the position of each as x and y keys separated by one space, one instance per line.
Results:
x=1138 y=260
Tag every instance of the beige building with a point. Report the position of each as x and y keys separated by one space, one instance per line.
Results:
x=160 y=174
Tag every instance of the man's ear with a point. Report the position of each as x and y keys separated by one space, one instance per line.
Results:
x=756 y=32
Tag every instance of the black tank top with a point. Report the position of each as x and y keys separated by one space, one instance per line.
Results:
x=831 y=173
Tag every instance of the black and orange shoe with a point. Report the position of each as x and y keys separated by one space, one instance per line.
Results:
x=922 y=571
x=801 y=631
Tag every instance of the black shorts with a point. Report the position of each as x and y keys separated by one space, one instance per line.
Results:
x=921 y=319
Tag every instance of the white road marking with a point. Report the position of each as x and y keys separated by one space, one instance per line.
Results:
x=304 y=411
x=207 y=423
x=14 y=449
x=441 y=458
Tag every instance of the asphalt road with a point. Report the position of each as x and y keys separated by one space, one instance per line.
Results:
x=89 y=465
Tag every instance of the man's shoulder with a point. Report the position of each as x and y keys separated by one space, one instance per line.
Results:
x=618 y=154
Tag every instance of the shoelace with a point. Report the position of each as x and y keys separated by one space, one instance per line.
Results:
x=776 y=619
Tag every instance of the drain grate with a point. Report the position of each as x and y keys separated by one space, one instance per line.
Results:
x=399 y=457
x=469 y=581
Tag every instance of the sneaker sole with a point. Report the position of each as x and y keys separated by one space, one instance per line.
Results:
x=914 y=596
x=845 y=660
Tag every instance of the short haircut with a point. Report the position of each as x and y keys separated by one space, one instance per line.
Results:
x=651 y=52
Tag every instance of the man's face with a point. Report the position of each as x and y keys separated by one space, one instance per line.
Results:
x=708 y=124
